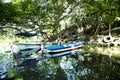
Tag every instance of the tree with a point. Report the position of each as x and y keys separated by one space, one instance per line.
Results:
x=8 y=13
x=102 y=11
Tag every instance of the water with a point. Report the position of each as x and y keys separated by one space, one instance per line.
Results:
x=6 y=67
x=77 y=67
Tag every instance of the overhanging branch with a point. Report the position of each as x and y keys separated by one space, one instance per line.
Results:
x=103 y=32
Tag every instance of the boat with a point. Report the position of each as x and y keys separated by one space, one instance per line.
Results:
x=27 y=34
x=68 y=53
x=54 y=51
x=25 y=49
x=50 y=51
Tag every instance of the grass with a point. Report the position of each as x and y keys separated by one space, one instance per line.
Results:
x=9 y=39
x=109 y=51
x=5 y=41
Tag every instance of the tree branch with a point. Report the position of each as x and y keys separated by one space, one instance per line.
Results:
x=103 y=32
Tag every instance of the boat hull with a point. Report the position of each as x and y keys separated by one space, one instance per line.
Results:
x=25 y=48
x=64 y=50
x=68 y=53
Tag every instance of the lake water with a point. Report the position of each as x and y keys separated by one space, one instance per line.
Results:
x=79 y=67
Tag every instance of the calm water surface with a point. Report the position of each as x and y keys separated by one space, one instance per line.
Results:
x=79 y=67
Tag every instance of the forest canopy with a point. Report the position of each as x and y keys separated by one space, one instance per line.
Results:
x=53 y=16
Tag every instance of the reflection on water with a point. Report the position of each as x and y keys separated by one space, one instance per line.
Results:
x=69 y=67
x=85 y=67
x=6 y=67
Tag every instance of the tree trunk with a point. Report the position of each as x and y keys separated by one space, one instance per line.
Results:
x=109 y=29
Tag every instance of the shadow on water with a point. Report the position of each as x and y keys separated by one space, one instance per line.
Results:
x=80 y=67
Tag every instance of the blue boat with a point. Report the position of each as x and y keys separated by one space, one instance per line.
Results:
x=55 y=51
x=69 y=53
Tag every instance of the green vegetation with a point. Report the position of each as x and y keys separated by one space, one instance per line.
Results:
x=109 y=51
x=56 y=15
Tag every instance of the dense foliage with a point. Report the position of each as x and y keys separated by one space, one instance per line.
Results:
x=94 y=16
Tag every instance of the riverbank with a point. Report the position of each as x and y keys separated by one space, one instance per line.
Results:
x=89 y=48
x=103 y=50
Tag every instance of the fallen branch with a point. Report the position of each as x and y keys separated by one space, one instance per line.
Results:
x=103 y=32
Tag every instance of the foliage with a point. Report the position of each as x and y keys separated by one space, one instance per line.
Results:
x=92 y=15
x=7 y=12
x=99 y=12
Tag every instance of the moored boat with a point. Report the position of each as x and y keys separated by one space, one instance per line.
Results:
x=68 y=53
x=54 y=51
x=25 y=48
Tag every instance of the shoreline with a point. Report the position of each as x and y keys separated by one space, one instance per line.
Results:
x=103 y=50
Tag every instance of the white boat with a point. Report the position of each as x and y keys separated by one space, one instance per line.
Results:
x=25 y=49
